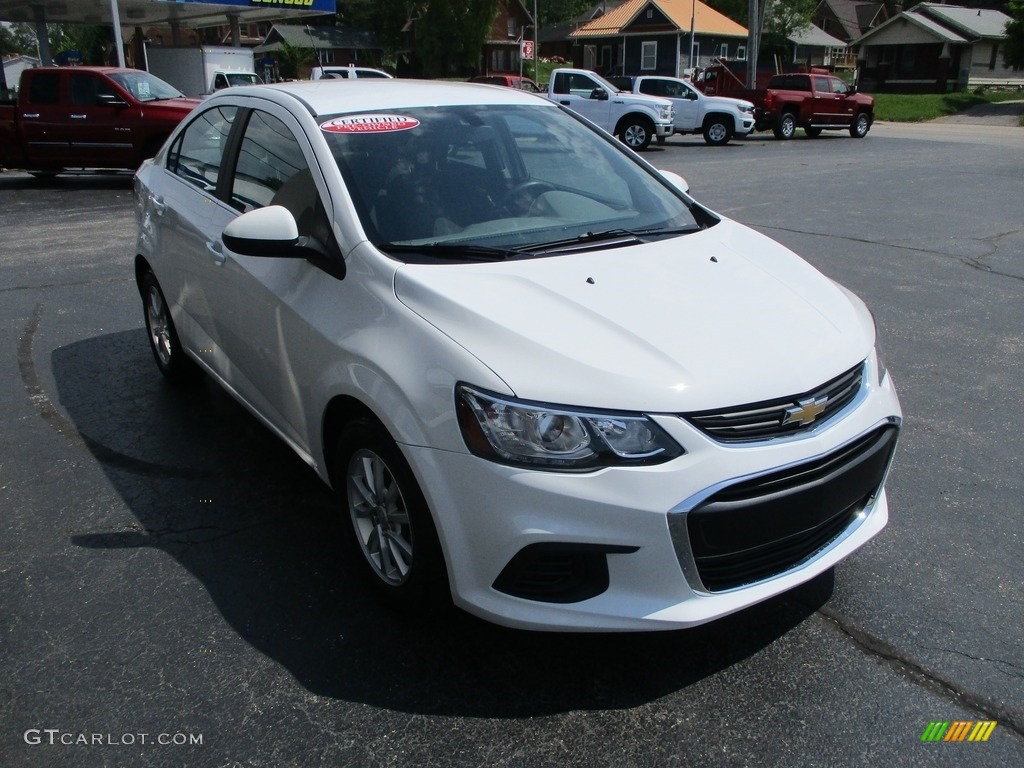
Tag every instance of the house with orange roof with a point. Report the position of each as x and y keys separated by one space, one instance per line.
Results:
x=652 y=37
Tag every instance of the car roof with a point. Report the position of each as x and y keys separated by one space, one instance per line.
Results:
x=328 y=97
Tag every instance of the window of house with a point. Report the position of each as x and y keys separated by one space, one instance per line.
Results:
x=511 y=27
x=723 y=51
x=741 y=52
x=649 y=55
x=196 y=155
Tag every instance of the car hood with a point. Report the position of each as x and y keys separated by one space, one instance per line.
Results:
x=727 y=101
x=183 y=104
x=720 y=317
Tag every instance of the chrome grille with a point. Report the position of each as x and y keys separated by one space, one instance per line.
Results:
x=783 y=417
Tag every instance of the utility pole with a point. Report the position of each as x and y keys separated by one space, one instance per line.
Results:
x=753 y=41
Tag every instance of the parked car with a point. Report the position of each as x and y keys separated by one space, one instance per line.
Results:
x=634 y=118
x=348 y=73
x=541 y=378
x=88 y=117
x=509 y=81
x=816 y=103
x=718 y=118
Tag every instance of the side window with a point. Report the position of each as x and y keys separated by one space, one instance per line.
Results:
x=821 y=85
x=196 y=155
x=838 y=86
x=272 y=170
x=85 y=88
x=44 y=88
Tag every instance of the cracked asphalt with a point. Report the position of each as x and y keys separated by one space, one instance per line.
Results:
x=173 y=589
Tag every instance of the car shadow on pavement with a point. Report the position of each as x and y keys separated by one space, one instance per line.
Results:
x=18 y=180
x=212 y=488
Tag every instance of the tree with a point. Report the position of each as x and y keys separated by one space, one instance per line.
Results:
x=450 y=33
x=1013 y=49
x=290 y=58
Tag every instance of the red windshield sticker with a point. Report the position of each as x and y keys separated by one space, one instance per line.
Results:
x=369 y=124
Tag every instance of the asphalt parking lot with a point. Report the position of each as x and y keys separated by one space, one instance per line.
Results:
x=172 y=589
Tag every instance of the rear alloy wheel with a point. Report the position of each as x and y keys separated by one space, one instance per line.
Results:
x=860 y=125
x=717 y=132
x=170 y=358
x=786 y=126
x=636 y=133
x=392 y=527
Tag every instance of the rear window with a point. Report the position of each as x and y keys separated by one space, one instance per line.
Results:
x=790 y=83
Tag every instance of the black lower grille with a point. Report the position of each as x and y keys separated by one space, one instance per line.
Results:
x=551 y=572
x=758 y=528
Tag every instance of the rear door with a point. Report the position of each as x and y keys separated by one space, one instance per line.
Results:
x=43 y=121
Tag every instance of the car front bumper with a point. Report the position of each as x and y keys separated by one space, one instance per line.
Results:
x=625 y=549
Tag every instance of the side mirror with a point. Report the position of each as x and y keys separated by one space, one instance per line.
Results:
x=676 y=181
x=851 y=90
x=110 y=100
x=600 y=94
x=272 y=232
x=269 y=231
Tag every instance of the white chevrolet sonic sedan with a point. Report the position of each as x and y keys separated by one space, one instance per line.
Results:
x=540 y=377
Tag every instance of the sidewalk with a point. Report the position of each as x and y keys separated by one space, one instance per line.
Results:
x=999 y=113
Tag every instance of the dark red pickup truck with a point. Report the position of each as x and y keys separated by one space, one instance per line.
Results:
x=815 y=103
x=88 y=117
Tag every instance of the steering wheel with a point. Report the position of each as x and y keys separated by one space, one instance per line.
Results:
x=522 y=198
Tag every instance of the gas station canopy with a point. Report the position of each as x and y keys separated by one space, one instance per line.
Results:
x=134 y=13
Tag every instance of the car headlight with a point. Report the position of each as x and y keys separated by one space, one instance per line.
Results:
x=551 y=437
x=666 y=113
x=748 y=108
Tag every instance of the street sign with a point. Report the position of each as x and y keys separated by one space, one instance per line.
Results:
x=527 y=49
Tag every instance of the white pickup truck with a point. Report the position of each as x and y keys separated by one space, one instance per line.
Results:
x=719 y=118
x=634 y=118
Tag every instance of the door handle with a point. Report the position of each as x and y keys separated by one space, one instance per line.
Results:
x=158 y=205
x=78 y=117
x=34 y=114
x=217 y=251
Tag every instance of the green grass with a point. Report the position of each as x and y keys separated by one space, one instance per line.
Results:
x=914 y=108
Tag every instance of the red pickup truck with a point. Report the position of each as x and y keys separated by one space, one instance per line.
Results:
x=87 y=117
x=814 y=102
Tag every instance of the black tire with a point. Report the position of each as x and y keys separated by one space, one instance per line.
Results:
x=812 y=132
x=860 y=125
x=718 y=131
x=785 y=127
x=636 y=133
x=170 y=358
x=386 y=516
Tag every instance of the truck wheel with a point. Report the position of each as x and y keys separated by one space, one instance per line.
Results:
x=635 y=133
x=859 y=126
x=785 y=127
x=717 y=131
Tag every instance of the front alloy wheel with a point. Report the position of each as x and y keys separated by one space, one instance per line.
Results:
x=861 y=124
x=717 y=133
x=380 y=517
x=636 y=134
x=393 y=530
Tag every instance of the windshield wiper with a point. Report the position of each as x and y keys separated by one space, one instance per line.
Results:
x=454 y=251
x=613 y=237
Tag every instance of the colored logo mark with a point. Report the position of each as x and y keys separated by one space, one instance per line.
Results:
x=958 y=730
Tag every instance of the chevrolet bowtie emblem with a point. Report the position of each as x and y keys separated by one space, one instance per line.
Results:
x=805 y=411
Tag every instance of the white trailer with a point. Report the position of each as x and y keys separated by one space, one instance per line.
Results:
x=194 y=71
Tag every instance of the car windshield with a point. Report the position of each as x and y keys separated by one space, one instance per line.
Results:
x=242 y=78
x=145 y=87
x=511 y=181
